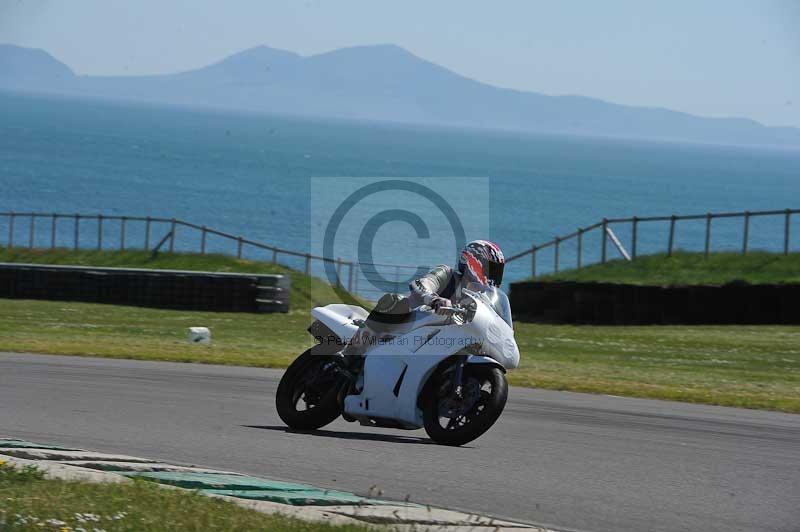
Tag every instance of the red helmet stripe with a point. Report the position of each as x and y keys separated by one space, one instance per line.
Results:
x=475 y=267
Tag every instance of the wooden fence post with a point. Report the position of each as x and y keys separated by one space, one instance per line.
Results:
x=53 y=232
x=604 y=241
x=580 y=248
x=173 y=227
x=555 y=256
x=11 y=217
x=671 y=235
x=33 y=231
x=77 y=230
x=99 y=231
x=707 y=248
x=203 y=236
x=786 y=232
x=147 y=234
x=122 y=223
x=746 y=235
x=634 y=236
x=533 y=262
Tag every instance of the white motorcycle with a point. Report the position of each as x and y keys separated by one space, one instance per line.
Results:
x=444 y=373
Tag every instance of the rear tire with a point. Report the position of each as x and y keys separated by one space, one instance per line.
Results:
x=485 y=391
x=310 y=383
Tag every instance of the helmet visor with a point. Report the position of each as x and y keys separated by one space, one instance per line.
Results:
x=495 y=273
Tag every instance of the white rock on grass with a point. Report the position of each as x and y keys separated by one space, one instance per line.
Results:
x=199 y=335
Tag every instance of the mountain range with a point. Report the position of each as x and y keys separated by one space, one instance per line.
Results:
x=381 y=82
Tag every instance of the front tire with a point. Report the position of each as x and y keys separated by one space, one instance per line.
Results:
x=454 y=420
x=307 y=393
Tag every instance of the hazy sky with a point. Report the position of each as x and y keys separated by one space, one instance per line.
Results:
x=715 y=58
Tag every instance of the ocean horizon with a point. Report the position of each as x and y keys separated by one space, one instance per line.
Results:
x=253 y=175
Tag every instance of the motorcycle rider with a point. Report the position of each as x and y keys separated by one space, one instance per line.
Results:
x=481 y=262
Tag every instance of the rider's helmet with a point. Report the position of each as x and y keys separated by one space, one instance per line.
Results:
x=482 y=262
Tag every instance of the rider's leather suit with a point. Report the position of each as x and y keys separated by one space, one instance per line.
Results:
x=442 y=281
x=391 y=309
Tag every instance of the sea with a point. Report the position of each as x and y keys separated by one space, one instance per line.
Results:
x=280 y=180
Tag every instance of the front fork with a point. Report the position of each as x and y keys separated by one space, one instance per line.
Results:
x=458 y=377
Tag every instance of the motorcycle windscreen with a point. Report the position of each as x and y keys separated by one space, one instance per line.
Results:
x=496 y=299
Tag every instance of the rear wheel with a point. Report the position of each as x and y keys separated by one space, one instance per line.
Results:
x=457 y=418
x=307 y=394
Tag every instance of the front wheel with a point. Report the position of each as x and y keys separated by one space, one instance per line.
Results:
x=307 y=394
x=455 y=419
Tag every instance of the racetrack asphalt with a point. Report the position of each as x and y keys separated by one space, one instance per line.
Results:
x=569 y=461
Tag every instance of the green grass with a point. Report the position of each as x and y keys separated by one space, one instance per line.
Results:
x=66 y=328
x=691 y=269
x=30 y=503
x=754 y=367
x=750 y=367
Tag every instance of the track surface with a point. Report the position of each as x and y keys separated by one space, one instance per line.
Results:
x=571 y=461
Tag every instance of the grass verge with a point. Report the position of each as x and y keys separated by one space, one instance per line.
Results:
x=753 y=367
x=684 y=268
x=28 y=502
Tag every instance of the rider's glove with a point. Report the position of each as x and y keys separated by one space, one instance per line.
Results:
x=437 y=304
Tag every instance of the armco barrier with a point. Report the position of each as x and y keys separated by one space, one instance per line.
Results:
x=625 y=304
x=171 y=289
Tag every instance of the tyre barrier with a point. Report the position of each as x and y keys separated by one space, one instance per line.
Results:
x=169 y=289
x=626 y=304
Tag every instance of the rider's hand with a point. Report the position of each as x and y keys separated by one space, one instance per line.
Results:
x=438 y=303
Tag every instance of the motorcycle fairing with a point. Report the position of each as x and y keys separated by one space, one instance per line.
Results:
x=396 y=371
x=339 y=318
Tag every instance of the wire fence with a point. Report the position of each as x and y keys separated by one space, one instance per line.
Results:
x=592 y=244
x=98 y=231
x=585 y=246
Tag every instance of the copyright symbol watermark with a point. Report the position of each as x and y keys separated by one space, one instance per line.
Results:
x=393 y=230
